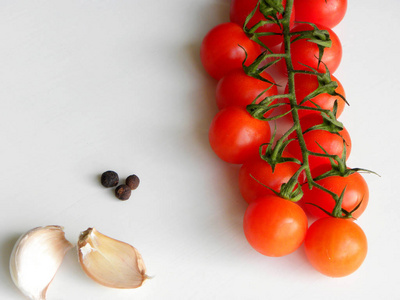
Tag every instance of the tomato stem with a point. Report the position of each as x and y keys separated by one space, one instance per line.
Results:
x=292 y=189
x=291 y=84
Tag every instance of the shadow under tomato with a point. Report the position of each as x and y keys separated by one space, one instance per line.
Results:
x=6 y=248
x=203 y=97
x=232 y=201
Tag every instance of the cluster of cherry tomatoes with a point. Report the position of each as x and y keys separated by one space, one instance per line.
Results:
x=274 y=226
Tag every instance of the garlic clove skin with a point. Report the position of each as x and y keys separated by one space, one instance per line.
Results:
x=35 y=259
x=110 y=262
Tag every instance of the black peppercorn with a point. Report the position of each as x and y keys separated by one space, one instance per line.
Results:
x=132 y=181
x=123 y=192
x=109 y=179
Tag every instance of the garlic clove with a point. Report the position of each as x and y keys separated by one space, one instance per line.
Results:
x=110 y=262
x=35 y=259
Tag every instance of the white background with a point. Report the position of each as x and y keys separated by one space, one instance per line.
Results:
x=88 y=86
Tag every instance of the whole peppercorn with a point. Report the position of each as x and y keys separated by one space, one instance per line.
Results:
x=123 y=192
x=132 y=181
x=109 y=179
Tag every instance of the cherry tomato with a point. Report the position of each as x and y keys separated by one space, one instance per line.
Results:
x=307 y=53
x=328 y=13
x=356 y=192
x=332 y=143
x=305 y=84
x=257 y=172
x=274 y=226
x=220 y=51
x=239 y=89
x=239 y=11
x=235 y=136
x=335 y=247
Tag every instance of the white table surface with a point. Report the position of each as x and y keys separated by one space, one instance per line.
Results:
x=88 y=86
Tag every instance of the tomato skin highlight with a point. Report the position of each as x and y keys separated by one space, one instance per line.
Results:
x=356 y=192
x=335 y=247
x=329 y=13
x=274 y=226
x=239 y=11
x=331 y=142
x=235 y=136
x=307 y=53
x=220 y=51
x=306 y=84
x=262 y=172
x=239 y=89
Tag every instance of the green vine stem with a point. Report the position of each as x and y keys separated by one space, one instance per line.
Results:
x=292 y=95
x=291 y=190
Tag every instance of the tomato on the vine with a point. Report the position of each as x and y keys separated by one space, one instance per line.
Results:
x=239 y=11
x=235 y=136
x=327 y=13
x=335 y=247
x=332 y=143
x=305 y=54
x=256 y=173
x=356 y=194
x=239 y=89
x=274 y=226
x=220 y=51
x=305 y=84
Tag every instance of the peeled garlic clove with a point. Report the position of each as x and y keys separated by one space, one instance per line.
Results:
x=35 y=259
x=110 y=262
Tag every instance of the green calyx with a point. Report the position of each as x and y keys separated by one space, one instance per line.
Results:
x=317 y=36
x=273 y=154
x=328 y=124
x=325 y=85
x=257 y=67
x=338 y=211
x=270 y=9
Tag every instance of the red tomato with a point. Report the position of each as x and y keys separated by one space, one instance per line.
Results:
x=307 y=53
x=335 y=247
x=331 y=142
x=262 y=172
x=220 y=51
x=239 y=11
x=356 y=191
x=328 y=13
x=239 y=89
x=274 y=226
x=305 y=84
x=235 y=136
